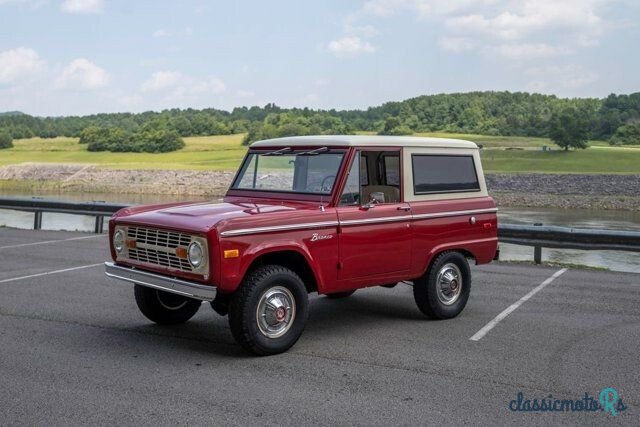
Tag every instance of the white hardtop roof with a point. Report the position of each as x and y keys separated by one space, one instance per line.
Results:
x=364 y=141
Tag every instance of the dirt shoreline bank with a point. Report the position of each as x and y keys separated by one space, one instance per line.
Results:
x=568 y=191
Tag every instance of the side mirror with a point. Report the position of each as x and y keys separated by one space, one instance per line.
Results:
x=374 y=199
x=370 y=204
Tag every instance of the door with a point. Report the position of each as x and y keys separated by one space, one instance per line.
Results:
x=375 y=224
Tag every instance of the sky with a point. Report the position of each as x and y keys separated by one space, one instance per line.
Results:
x=77 y=57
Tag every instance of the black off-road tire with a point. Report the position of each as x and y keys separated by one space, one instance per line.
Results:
x=425 y=288
x=243 y=308
x=340 y=295
x=165 y=308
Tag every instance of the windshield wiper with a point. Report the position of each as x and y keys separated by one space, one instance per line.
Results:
x=278 y=152
x=314 y=152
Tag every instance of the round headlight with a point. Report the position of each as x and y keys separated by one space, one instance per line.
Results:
x=195 y=254
x=118 y=241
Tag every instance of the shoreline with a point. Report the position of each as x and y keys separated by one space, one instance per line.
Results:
x=565 y=191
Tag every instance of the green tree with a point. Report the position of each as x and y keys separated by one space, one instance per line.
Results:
x=6 y=141
x=159 y=141
x=90 y=134
x=393 y=126
x=628 y=134
x=569 y=128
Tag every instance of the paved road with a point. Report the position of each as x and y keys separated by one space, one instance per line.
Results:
x=75 y=350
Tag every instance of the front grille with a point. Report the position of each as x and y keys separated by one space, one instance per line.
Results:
x=158 y=247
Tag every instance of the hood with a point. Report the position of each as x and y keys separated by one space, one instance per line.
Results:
x=202 y=217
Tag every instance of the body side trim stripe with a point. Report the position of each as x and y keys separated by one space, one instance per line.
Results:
x=455 y=213
x=256 y=230
x=416 y=217
x=377 y=220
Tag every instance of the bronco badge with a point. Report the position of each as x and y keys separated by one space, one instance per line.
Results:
x=315 y=237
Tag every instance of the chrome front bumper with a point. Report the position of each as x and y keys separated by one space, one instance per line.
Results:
x=160 y=282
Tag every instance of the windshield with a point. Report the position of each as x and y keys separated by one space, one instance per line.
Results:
x=305 y=172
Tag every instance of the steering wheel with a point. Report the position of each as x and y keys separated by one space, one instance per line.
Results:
x=324 y=187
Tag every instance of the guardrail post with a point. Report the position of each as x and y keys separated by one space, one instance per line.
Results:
x=537 y=254
x=37 y=220
x=99 y=224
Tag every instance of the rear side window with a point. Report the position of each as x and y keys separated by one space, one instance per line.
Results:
x=443 y=173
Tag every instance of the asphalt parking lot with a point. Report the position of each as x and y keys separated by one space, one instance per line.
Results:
x=75 y=350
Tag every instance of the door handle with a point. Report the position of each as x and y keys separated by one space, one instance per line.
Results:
x=404 y=208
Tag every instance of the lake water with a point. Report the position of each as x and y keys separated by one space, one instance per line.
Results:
x=579 y=218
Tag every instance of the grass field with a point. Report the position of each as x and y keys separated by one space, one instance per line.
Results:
x=500 y=154
x=592 y=160
x=208 y=152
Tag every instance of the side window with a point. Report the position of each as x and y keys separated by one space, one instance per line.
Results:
x=351 y=193
x=392 y=170
x=443 y=173
x=364 y=169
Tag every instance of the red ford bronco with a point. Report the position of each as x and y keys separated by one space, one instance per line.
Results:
x=325 y=214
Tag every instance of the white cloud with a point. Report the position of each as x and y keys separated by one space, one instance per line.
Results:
x=350 y=46
x=564 y=76
x=180 y=85
x=456 y=44
x=531 y=16
x=422 y=8
x=528 y=50
x=509 y=28
x=207 y=85
x=82 y=6
x=19 y=64
x=386 y=7
x=160 y=33
x=82 y=74
x=161 y=80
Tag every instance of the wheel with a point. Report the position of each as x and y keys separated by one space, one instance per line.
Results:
x=267 y=314
x=338 y=295
x=163 y=307
x=221 y=304
x=443 y=291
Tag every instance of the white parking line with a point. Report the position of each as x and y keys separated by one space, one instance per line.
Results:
x=482 y=332
x=51 y=241
x=13 y=279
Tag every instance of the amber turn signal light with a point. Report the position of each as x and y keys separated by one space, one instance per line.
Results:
x=231 y=253
x=181 y=253
x=131 y=244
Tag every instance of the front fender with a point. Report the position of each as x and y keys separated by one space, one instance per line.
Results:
x=233 y=272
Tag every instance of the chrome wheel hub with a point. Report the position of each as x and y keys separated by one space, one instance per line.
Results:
x=449 y=284
x=276 y=312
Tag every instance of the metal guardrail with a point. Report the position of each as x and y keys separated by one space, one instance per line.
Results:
x=537 y=235
x=39 y=205
x=540 y=236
